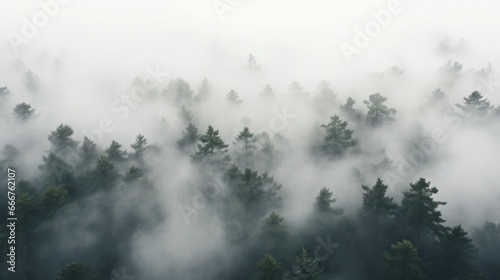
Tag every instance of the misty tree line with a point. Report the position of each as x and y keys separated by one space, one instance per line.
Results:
x=385 y=239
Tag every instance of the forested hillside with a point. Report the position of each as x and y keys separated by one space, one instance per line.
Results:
x=321 y=186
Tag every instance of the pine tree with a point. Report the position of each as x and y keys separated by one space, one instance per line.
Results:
x=75 y=271
x=252 y=63
x=378 y=112
x=53 y=197
x=267 y=92
x=186 y=115
x=133 y=173
x=104 y=174
x=268 y=268
x=338 y=138
x=324 y=201
x=402 y=262
x=475 y=103
x=115 y=153
x=305 y=268
x=189 y=137
x=349 y=111
x=233 y=99
x=180 y=91
x=273 y=228
x=297 y=90
x=88 y=152
x=140 y=147
x=268 y=154
x=421 y=219
x=212 y=151
x=61 y=141
x=326 y=98
x=246 y=140
x=23 y=111
x=460 y=253
x=203 y=90
x=376 y=205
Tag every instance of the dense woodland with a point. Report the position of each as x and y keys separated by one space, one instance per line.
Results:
x=91 y=203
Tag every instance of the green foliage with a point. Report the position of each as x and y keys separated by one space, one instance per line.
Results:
x=421 y=219
x=189 y=137
x=459 y=252
x=324 y=201
x=350 y=112
x=257 y=191
x=376 y=205
x=268 y=154
x=104 y=174
x=402 y=262
x=23 y=111
x=133 y=174
x=246 y=140
x=474 y=276
x=75 y=271
x=378 y=113
x=273 y=228
x=438 y=95
x=180 y=90
x=88 y=152
x=53 y=197
x=61 y=140
x=338 y=137
x=140 y=146
x=54 y=168
x=212 y=151
x=487 y=240
x=475 y=103
x=268 y=268
x=305 y=268
x=115 y=153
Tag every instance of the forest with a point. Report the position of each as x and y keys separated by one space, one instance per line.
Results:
x=196 y=203
x=249 y=140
